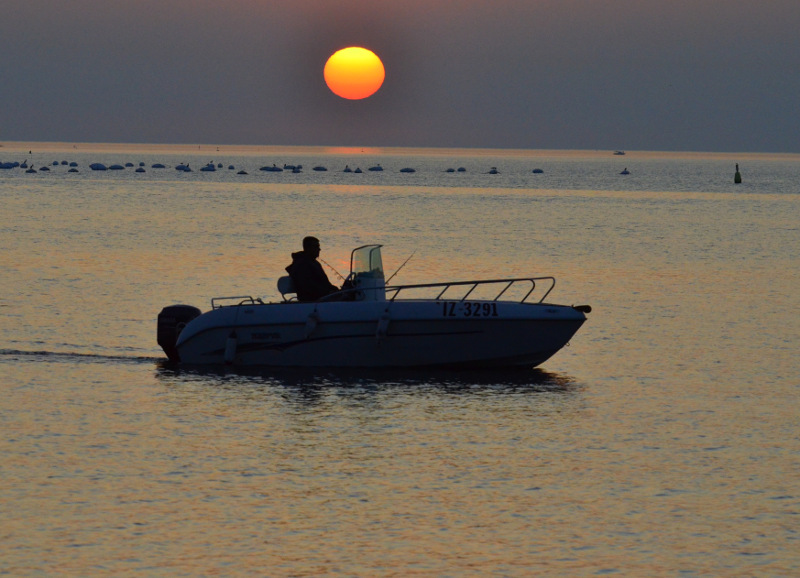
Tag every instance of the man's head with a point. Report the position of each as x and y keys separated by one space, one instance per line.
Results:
x=311 y=246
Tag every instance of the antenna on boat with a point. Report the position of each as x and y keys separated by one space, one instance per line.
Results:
x=401 y=266
x=339 y=275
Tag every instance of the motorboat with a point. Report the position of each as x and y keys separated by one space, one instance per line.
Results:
x=454 y=324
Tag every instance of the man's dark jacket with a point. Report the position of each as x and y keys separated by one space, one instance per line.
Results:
x=310 y=281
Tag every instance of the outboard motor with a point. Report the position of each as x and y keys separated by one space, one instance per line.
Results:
x=171 y=322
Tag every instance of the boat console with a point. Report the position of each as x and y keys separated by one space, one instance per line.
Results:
x=366 y=273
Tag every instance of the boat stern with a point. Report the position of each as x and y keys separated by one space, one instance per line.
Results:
x=171 y=321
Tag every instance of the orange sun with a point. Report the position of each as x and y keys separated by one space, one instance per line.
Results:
x=354 y=73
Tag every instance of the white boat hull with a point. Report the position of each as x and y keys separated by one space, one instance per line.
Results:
x=401 y=333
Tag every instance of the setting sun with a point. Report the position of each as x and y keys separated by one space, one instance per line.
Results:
x=354 y=73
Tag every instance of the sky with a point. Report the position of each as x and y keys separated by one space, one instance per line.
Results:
x=667 y=75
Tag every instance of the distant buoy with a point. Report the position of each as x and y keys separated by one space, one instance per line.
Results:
x=737 y=178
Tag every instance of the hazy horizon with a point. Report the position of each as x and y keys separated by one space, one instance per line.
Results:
x=711 y=75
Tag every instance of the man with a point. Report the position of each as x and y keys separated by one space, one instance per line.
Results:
x=310 y=281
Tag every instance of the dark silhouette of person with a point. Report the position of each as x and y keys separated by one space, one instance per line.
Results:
x=309 y=279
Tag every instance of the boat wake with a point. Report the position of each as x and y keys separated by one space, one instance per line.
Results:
x=311 y=382
x=73 y=357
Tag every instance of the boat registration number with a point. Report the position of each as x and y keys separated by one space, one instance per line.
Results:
x=468 y=309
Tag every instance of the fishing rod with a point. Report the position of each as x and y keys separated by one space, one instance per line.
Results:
x=339 y=275
x=401 y=266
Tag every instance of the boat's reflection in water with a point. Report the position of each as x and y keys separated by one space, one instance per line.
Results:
x=310 y=384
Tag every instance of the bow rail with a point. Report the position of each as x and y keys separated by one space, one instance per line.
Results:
x=505 y=285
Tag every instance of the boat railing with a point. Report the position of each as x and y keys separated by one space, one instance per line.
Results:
x=439 y=289
x=217 y=302
x=471 y=286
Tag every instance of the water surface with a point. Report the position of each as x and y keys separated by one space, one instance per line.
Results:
x=662 y=441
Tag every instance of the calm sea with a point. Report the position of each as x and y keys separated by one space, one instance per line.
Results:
x=664 y=441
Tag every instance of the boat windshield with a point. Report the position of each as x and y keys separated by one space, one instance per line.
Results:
x=366 y=261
